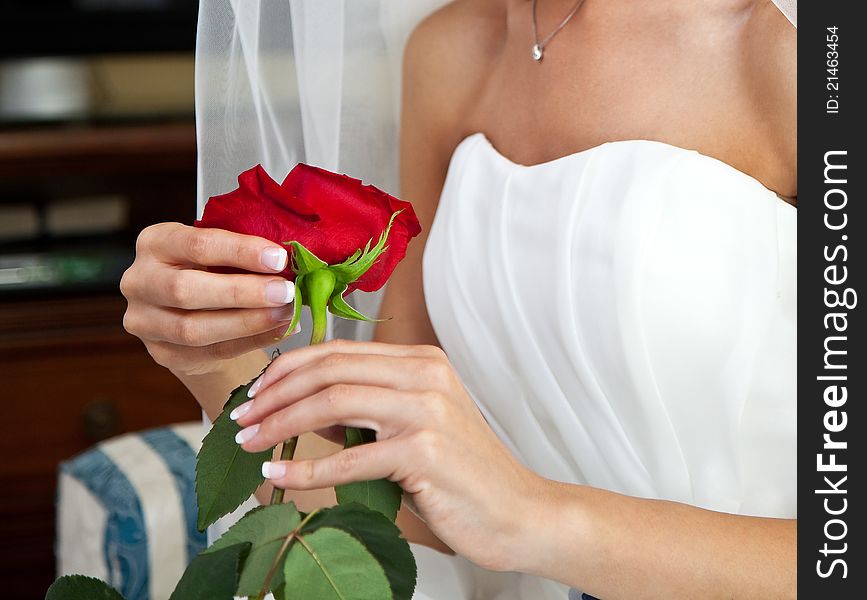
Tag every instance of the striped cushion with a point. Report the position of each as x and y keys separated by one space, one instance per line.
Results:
x=127 y=511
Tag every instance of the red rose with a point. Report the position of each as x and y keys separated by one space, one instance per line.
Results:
x=329 y=214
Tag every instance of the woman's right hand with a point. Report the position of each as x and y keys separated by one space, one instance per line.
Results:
x=192 y=320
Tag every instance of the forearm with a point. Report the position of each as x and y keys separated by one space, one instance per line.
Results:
x=616 y=546
x=211 y=391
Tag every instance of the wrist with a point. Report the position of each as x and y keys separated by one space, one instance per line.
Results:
x=212 y=386
x=554 y=528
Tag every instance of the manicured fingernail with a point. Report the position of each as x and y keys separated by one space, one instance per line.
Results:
x=280 y=292
x=283 y=331
x=274 y=258
x=251 y=393
x=245 y=435
x=273 y=470
x=282 y=313
x=241 y=410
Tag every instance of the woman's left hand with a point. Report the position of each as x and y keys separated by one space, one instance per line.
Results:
x=431 y=439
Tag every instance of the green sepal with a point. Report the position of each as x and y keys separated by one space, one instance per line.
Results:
x=339 y=307
x=304 y=261
x=314 y=277
x=357 y=265
x=296 y=306
x=356 y=254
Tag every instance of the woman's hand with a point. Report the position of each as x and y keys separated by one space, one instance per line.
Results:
x=191 y=320
x=431 y=439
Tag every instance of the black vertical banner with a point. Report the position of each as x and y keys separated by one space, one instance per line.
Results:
x=832 y=370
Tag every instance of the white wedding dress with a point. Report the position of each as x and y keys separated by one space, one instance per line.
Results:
x=625 y=318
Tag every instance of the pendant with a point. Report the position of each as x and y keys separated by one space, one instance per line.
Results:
x=537 y=52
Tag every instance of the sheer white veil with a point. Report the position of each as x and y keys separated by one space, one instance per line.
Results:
x=285 y=81
x=788 y=8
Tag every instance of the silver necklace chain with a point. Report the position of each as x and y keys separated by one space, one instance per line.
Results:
x=539 y=46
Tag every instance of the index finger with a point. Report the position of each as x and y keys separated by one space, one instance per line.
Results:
x=298 y=357
x=221 y=248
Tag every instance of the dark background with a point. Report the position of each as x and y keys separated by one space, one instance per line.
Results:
x=75 y=27
x=96 y=106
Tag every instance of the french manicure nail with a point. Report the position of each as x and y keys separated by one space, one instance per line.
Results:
x=274 y=258
x=241 y=410
x=282 y=332
x=273 y=470
x=245 y=435
x=282 y=313
x=251 y=393
x=280 y=292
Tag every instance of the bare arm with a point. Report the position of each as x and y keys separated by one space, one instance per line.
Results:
x=616 y=546
x=771 y=57
x=429 y=132
x=428 y=135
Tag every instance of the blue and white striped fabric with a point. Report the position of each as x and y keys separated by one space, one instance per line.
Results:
x=127 y=511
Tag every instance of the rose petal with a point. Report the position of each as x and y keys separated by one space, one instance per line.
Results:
x=331 y=215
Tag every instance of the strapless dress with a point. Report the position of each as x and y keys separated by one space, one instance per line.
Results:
x=624 y=317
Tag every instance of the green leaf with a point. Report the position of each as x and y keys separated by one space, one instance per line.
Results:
x=338 y=306
x=380 y=494
x=305 y=261
x=354 y=267
x=380 y=536
x=330 y=564
x=266 y=528
x=226 y=475
x=212 y=575
x=79 y=587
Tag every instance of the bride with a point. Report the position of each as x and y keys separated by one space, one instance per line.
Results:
x=589 y=377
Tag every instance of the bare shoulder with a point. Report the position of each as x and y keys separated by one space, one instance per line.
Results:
x=771 y=43
x=445 y=63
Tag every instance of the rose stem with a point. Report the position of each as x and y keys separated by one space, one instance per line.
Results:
x=287 y=452
x=318 y=287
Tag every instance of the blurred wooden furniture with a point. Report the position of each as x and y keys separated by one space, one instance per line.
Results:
x=70 y=373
